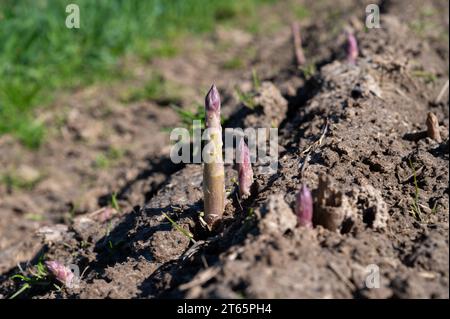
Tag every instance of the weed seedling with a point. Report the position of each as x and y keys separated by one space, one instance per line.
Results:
x=256 y=80
x=37 y=278
x=308 y=70
x=180 y=229
x=114 y=204
x=246 y=98
x=188 y=117
x=112 y=247
x=434 y=209
x=415 y=206
x=250 y=214
x=249 y=218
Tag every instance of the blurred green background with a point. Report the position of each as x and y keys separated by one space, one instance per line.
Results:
x=39 y=55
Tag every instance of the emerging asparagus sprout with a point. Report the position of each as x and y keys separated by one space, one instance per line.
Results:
x=304 y=207
x=352 y=48
x=244 y=169
x=298 y=50
x=433 y=127
x=61 y=272
x=213 y=169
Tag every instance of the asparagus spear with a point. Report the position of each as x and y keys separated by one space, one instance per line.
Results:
x=213 y=169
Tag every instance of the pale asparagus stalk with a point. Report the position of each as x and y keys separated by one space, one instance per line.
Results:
x=352 y=48
x=304 y=207
x=213 y=169
x=60 y=272
x=298 y=50
x=245 y=170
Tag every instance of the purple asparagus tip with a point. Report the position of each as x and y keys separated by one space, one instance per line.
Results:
x=352 y=48
x=244 y=169
x=304 y=207
x=60 y=272
x=212 y=100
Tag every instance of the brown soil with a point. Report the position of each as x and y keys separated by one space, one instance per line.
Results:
x=375 y=114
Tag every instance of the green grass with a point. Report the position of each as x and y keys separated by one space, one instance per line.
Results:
x=187 y=117
x=157 y=89
x=247 y=99
x=233 y=64
x=39 y=55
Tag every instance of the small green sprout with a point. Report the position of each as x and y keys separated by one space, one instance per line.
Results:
x=434 y=209
x=256 y=80
x=113 y=246
x=249 y=218
x=24 y=287
x=114 y=204
x=250 y=213
x=180 y=229
x=246 y=98
x=415 y=206
x=188 y=117
x=37 y=278
x=308 y=70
